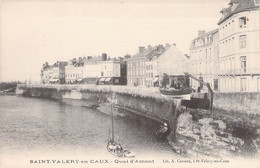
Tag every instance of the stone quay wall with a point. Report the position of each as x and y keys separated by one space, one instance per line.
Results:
x=233 y=128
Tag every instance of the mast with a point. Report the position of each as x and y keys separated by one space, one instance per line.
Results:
x=112 y=117
x=112 y=102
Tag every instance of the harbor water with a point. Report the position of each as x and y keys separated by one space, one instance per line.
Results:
x=35 y=128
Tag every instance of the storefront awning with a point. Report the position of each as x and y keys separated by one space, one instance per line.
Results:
x=108 y=79
x=54 y=80
x=155 y=79
x=102 y=79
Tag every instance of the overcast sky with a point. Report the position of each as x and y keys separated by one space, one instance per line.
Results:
x=34 y=32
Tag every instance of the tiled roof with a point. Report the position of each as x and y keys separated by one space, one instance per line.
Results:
x=144 y=53
x=202 y=36
x=150 y=53
x=79 y=64
x=243 y=5
x=233 y=1
x=207 y=33
x=93 y=60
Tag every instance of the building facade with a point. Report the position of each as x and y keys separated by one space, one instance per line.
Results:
x=136 y=69
x=239 y=47
x=110 y=68
x=110 y=71
x=148 y=66
x=74 y=71
x=92 y=68
x=204 y=58
x=53 y=73
x=152 y=66
x=45 y=77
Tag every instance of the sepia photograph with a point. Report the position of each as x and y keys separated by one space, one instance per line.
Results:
x=129 y=83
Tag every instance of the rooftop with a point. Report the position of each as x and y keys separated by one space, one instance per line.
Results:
x=242 y=5
x=203 y=35
x=150 y=52
x=93 y=60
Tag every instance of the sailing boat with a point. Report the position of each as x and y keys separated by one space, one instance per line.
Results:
x=114 y=147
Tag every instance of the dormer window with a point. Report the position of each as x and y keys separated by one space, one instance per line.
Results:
x=242 y=22
x=234 y=6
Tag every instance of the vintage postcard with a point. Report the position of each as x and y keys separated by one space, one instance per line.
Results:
x=129 y=83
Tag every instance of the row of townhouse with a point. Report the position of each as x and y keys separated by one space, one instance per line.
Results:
x=53 y=73
x=146 y=68
x=229 y=57
x=99 y=69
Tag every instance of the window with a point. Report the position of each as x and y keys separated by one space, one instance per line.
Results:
x=242 y=41
x=242 y=22
x=243 y=84
x=243 y=63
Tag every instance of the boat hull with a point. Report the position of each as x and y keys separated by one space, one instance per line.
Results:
x=176 y=94
x=117 y=150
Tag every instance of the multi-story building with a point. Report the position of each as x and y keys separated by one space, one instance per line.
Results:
x=45 y=73
x=54 y=73
x=79 y=71
x=74 y=71
x=152 y=66
x=171 y=62
x=104 y=70
x=70 y=71
x=58 y=72
x=148 y=66
x=110 y=71
x=204 y=56
x=239 y=47
x=92 y=69
x=136 y=72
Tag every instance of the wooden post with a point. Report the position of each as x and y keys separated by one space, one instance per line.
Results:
x=173 y=122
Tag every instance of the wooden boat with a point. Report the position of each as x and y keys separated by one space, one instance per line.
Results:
x=175 y=86
x=114 y=147
x=183 y=93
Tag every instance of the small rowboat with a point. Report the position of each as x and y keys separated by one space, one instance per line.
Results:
x=183 y=93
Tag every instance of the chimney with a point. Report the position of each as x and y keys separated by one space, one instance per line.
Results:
x=80 y=59
x=141 y=49
x=201 y=32
x=174 y=44
x=167 y=45
x=104 y=57
x=149 y=46
x=89 y=57
x=161 y=47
